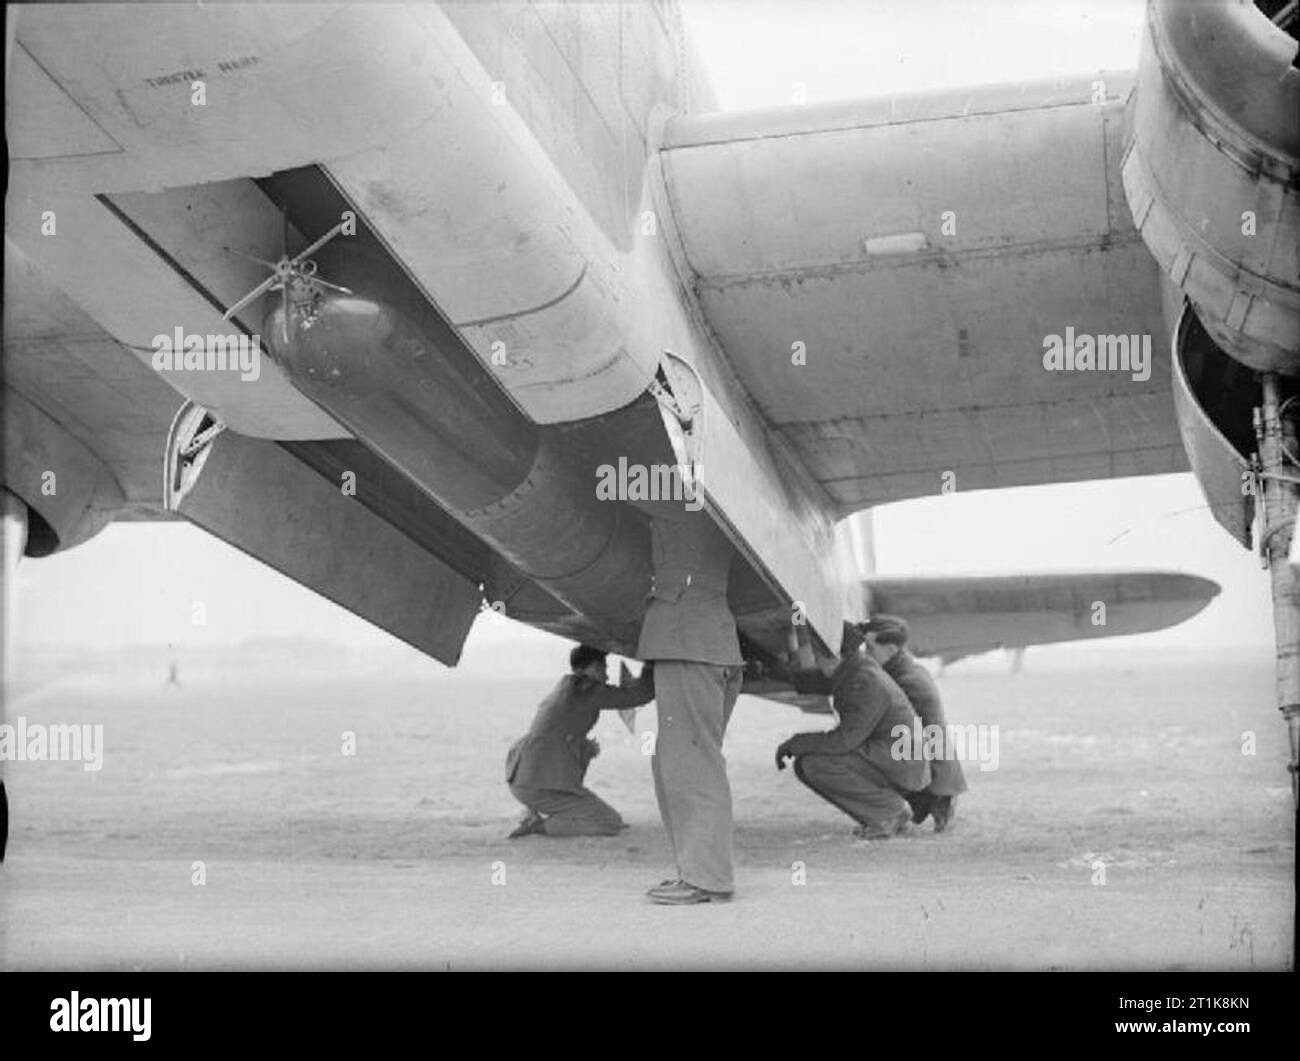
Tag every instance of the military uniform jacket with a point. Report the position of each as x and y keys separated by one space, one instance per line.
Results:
x=550 y=755
x=869 y=705
x=946 y=774
x=916 y=682
x=687 y=616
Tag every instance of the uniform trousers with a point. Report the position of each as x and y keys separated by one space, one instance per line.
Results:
x=860 y=788
x=581 y=813
x=690 y=773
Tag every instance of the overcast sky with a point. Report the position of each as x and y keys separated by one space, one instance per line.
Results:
x=136 y=583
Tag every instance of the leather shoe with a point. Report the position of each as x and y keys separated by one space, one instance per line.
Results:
x=884 y=830
x=530 y=823
x=679 y=893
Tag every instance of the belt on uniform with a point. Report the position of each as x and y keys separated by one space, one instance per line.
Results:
x=677 y=577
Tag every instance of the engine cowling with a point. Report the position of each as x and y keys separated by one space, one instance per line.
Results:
x=70 y=494
x=1212 y=171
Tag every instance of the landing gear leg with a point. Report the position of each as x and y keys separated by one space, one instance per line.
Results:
x=1279 y=474
x=13 y=540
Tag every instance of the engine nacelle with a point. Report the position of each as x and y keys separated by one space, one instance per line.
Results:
x=1214 y=396
x=70 y=494
x=1212 y=171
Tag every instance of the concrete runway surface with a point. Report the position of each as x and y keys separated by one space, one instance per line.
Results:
x=1113 y=766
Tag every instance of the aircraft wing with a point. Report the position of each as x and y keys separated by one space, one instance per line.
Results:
x=883 y=275
x=952 y=616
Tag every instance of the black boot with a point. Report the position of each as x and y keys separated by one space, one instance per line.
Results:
x=921 y=803
x=943 y=810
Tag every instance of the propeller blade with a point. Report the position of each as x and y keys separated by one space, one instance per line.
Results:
x=257 y=292
x=332 y=287
x=319 y=243
x=284 y=312
x=250 y=257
